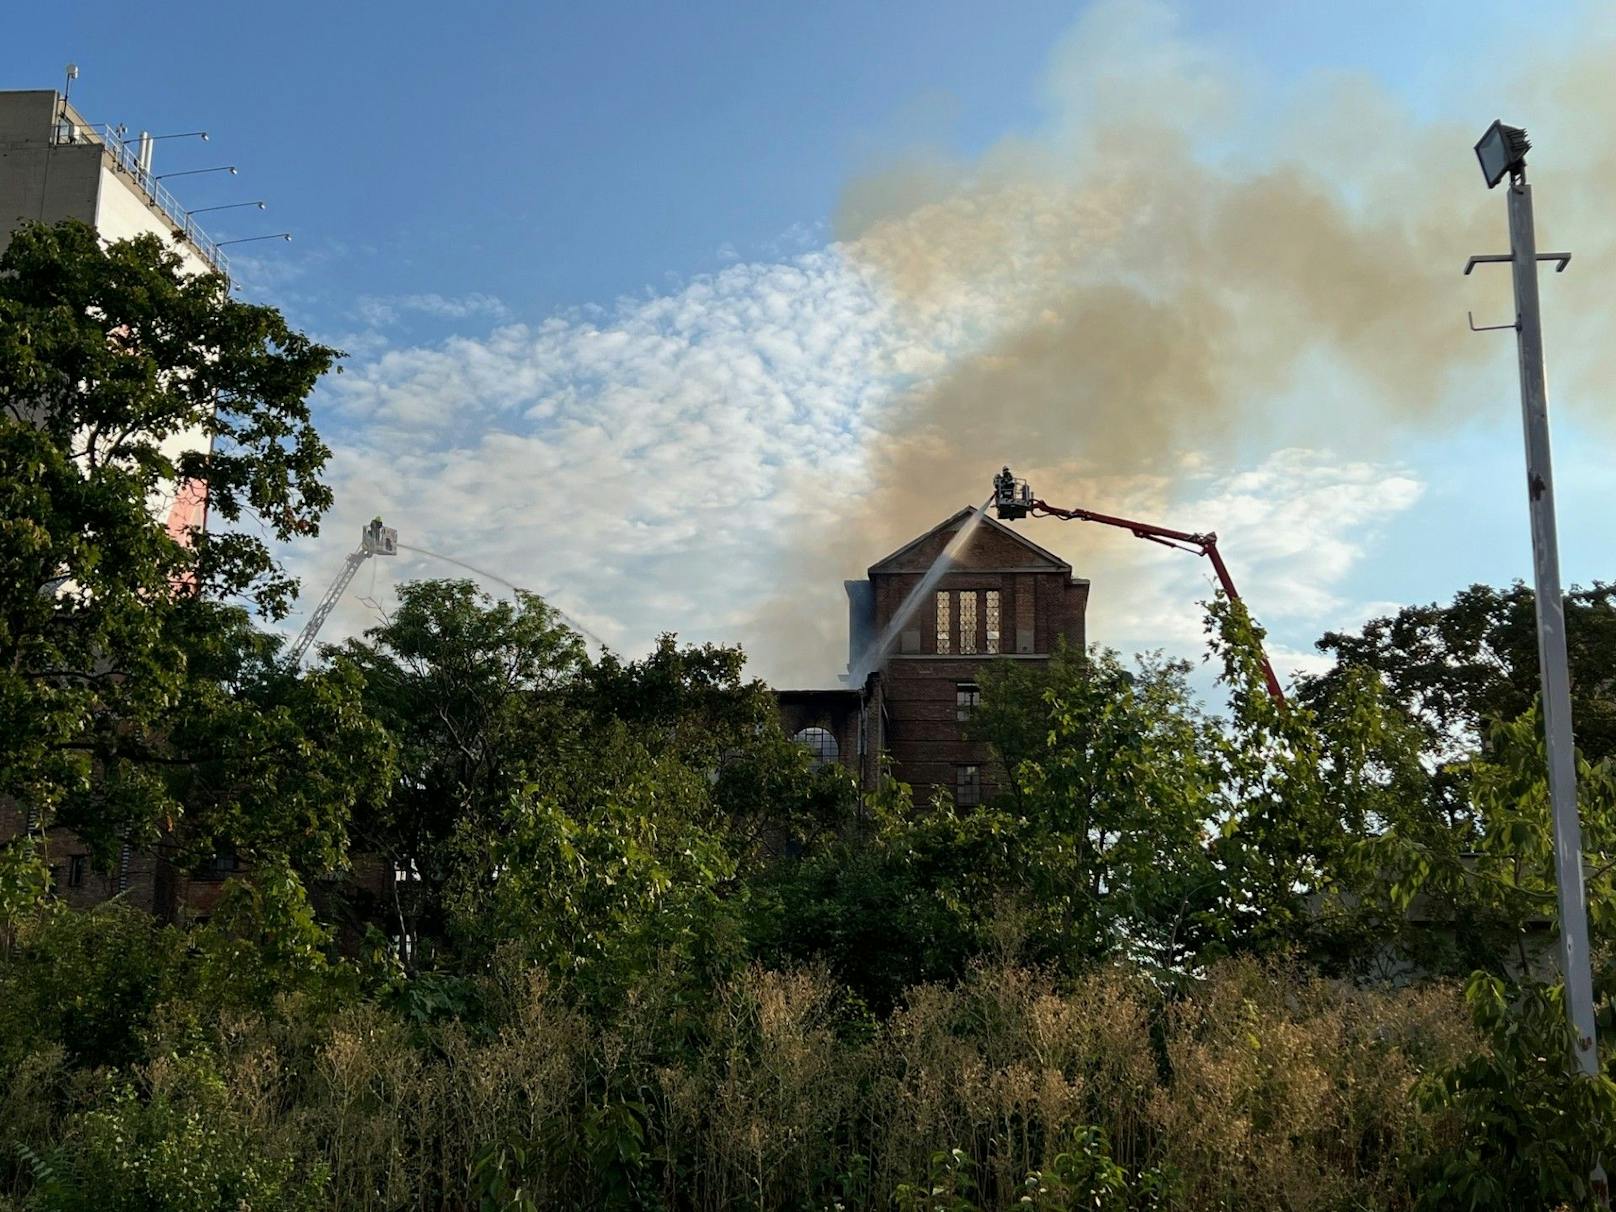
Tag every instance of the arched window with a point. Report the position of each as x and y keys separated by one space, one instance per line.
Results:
x=820 y=744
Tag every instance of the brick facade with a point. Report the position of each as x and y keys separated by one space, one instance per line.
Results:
x=911 y=706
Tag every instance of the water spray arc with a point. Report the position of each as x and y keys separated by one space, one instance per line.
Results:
x=877 y=651
x=483 y=572
x=1013 y=498
x=375 y=540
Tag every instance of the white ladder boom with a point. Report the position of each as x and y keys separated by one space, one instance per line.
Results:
x=375 y=539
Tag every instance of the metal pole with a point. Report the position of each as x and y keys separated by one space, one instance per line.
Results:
x=1575 y=966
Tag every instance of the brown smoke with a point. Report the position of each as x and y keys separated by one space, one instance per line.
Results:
x=1127 y=302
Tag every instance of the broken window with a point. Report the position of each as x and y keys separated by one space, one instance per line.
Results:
x=967 y=785
x=992 y=621
x=967 y=697
x=78 y=866
x=820 y=744
x=944 y=631
x=967 y=603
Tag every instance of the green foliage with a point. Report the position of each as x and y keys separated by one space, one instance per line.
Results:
x=1492 y=879
x=171 y=1141
x=1113 y=786
x=1519 y=1126
x=598 y=870
x=263 y=941
x=88 y=983
x=24 y=883
x=909 y=897
x=115 y=649
x=471 y=691
x=1459 y=668
x=1081 y=1177
x=497 y=1180
x=948 y=1186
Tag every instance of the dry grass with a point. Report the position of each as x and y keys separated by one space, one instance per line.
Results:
x=1263 y=1087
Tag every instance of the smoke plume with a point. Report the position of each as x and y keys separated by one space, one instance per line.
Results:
x=1146 y=286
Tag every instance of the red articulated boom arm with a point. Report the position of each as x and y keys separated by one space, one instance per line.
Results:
x=1013 y=498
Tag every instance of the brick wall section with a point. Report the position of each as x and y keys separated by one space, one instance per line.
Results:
x=836 y=711
x=1037 y=592
x=149 y=882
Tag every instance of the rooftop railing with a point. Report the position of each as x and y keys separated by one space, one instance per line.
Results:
x=127 y=159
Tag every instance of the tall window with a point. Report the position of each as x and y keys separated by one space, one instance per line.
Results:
x=968 y=621
x=78 y=866
x=967 y=785
x=967 y=696
x=993 y=621
x=944 y=631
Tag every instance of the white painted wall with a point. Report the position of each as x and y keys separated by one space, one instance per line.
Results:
x=122 y=212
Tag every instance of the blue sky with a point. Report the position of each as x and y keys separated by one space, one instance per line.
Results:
x=608 y=339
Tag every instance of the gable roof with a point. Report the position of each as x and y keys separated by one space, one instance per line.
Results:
x=952 y=523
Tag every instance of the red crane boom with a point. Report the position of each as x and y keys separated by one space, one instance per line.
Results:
x=1012 y=498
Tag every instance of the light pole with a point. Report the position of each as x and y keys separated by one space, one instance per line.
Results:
x=1502 y=152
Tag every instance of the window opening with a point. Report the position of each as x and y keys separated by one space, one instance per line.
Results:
x=967 y=697
x=967 y=608
x=967 y=785
x=78 y=866
x=993 y=621
x=219 y=865
x=820 y=744
x=943 y=623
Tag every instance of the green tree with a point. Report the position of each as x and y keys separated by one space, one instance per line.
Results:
x=475 y=694
x=134 y=700
x=640 y=823
x=1485 y=889
x=694 y=703
x=1516 y=1125
x=1458 y=667
x=1113 y=776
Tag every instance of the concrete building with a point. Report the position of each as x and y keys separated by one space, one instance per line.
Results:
x=54 y=166
x=1002 y=597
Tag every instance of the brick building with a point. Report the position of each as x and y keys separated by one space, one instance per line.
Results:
x=1001 y=597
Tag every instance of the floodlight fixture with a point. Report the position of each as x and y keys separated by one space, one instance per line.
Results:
x=280 y=235
x=202 y=210
x=191 y=172
x=1502 y=151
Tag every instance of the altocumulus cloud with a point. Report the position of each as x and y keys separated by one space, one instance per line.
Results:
x=665 y=464
x=641 y=464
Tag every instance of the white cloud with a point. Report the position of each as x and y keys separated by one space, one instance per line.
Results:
x=1295 y=530
x=382 y=311
x=643 y=466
